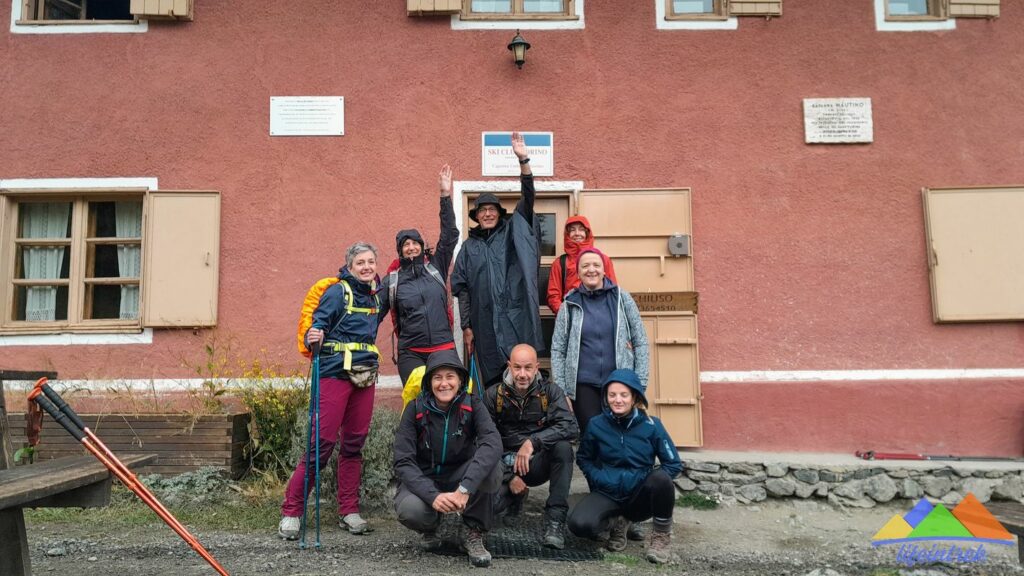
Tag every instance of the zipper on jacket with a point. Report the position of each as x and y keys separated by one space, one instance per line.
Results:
x=444 y=445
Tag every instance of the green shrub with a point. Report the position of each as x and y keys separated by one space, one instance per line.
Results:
x=276 y=405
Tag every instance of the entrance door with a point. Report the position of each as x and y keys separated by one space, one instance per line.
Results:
x=635 y=228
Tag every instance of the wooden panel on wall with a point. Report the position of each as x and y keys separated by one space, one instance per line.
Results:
x=674 y=386
x=757 y=8
x=974 y=8
x=974 y=242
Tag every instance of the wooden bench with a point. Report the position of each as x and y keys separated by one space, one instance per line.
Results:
x=80 y=482
x=1011 y=516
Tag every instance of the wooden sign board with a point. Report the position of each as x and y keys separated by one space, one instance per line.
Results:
x=665 y=301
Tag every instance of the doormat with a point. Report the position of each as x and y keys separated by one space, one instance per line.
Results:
x=520 y=537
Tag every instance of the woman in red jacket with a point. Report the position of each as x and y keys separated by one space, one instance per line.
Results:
x=563 y=278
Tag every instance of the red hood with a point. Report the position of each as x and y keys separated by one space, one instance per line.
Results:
x=573 y=248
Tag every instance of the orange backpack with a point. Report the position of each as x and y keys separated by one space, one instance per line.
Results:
x=309 y=304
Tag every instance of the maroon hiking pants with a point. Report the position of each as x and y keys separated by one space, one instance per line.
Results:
x=345 y=412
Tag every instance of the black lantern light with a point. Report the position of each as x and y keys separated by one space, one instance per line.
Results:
x=519 y=48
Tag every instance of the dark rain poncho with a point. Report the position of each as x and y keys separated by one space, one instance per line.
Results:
x=498 y=271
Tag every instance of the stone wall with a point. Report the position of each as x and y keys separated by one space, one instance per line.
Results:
x=861 y=487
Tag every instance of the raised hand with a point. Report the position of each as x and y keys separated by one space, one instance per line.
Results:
x=519 y=145
x=444 y=180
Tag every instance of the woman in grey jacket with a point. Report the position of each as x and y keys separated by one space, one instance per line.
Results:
x=599 y=322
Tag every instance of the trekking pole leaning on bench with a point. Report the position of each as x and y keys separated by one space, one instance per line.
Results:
x=48 y=399
x=312 y=444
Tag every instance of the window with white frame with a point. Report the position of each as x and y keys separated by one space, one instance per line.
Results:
x=70 y=11
x=719 y=9
x=696 y=9
x=932 y=10
x=519 y=9
x=78 y=261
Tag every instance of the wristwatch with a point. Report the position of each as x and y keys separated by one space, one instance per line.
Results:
x=462 y=489
x=525 y=160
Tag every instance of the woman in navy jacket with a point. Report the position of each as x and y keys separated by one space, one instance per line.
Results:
x=617 y=456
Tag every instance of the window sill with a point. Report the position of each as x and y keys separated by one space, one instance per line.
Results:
x=39 y=329
x=106 y=337
x=696 y=18
x=916 y=18
x=76 y=22
x=518 y=17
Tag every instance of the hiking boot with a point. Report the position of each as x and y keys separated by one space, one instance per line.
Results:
x=288 y=529
x=635 y=532
x=617 y=534
x=354 y=523
x=430 y=541
x=554 y=535
x=473 y=544
x=658 y=551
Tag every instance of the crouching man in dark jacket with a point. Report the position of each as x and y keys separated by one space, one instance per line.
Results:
x=446 y=458
x=536 y=426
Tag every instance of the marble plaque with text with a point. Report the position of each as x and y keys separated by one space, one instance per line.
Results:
x=838 y=121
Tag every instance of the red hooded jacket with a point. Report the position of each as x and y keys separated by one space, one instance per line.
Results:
x=572 y=250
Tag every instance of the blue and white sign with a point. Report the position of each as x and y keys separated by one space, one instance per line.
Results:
x=498 y=160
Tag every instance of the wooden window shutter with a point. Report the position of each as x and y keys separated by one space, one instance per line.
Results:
x=433 y=7
x=973 y=8
x=163 y=9
x=182 y=252
x=752 y=8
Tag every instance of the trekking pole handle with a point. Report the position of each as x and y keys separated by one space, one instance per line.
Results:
x=314 y=348
x=60 y=417
x=62 y=405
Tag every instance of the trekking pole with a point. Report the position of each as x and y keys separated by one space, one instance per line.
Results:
x=872 y=455
x=133 y=482
x=69 y=420
x=311 y=441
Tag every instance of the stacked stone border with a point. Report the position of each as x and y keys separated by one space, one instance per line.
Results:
x=860 y=487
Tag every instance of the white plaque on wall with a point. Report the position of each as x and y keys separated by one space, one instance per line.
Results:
x=838 y=121
x=307 y=116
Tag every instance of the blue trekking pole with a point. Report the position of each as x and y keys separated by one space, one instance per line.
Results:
x=312 y=443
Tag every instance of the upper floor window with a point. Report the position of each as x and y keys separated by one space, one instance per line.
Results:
x=77 y=11
x=696 y=9
x=718 y=9
x=519 y=9
x=926 y=10
x=915 y=9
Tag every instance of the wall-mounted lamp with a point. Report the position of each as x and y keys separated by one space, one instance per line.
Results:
x=519 y=48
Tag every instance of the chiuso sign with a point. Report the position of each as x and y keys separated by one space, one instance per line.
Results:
x=498 y=159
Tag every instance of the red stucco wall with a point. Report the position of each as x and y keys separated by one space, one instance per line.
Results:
x=807 y=257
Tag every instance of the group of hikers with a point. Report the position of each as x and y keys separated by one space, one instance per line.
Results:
x=477 y=453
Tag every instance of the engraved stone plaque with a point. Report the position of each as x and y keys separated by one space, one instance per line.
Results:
x=838 y=121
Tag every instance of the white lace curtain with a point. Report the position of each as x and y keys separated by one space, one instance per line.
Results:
x=128 y=220
x=43 y=220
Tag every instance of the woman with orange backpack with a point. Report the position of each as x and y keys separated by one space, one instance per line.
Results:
x=343 y=329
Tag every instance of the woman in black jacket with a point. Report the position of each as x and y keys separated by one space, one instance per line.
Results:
x=417 y=286
x=446 y=458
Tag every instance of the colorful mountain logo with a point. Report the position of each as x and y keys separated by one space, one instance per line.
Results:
x=968 y=521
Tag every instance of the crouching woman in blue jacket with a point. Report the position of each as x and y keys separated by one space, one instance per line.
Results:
x=617 y=456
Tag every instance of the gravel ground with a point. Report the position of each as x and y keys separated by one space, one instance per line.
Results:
x=774 y=537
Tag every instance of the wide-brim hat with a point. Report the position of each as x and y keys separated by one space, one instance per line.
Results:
x=487 y=198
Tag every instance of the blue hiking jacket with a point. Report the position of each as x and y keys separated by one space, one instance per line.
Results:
x=617 y=454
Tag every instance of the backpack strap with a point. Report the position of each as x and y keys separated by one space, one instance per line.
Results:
x=562 y=265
